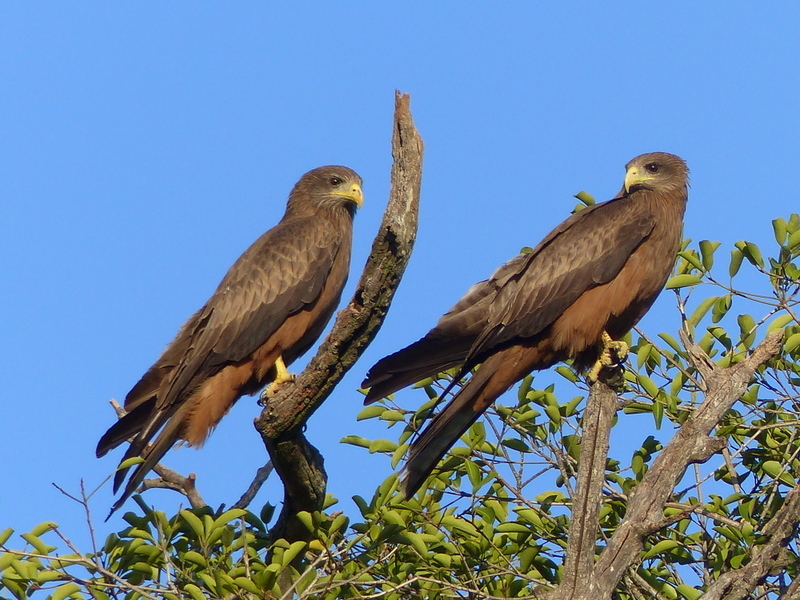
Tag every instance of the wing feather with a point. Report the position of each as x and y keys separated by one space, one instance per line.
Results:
x=280 y=274
x=588 y=249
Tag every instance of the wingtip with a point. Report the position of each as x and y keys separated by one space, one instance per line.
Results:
x=411 y=483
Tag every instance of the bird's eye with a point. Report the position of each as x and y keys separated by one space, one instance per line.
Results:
x=651 y=167
x=336 y=181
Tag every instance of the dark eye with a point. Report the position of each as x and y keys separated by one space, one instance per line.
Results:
x=651 y=167
x=336 y=181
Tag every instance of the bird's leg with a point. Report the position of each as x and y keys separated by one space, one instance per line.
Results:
x=282 y=376
x=613 y=354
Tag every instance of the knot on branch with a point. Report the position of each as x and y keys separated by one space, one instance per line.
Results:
x=705 y=448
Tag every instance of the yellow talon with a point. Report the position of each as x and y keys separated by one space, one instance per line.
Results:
x=282 y=376
x=613 y=354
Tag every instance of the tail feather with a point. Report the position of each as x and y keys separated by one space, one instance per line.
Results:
x=445 y=429
x=125 y=428
x=151 y=454
x=491 y=379
x=422 y=359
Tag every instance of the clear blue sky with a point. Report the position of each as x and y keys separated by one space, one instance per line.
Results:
x=145 y=145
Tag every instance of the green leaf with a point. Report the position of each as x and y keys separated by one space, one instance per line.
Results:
x=5 y=560
x=512 y=527
x=690 y=256
x=792 y=342
x=747 y=326
x=658 y=412
x=567 y=373
x=195 y=558
x=779 y=228
x=779 y=323
x=5 y=534
x=736 y=262
x=682 y=281
x=660 y=548
x=129 y=462
x=701 y=310
x=247 y=584
x=707 y=250
x=777 y=471
x=307 y=519
x=671 y=342
x=194 y=522
x=689 y=592
x=48 y=576
x=648 y=384
x=720 y=334
x=267 y=511
x=721 y=308
x=370 y=412
x=524 y=388
x=554 y=414
x=382 y=446
x=194 y=591
x=65 y=590
x=444 y=560
x=516 y=444
x=37 y=543
x=751 y=252
x=43 y=528
x=415 y=540
x=229 y=515
x=393 y=416
x=794 y=241
x=292 y=552
x=355 y=440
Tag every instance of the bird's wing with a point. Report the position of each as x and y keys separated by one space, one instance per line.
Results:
x=283 y=272
x=586 y=250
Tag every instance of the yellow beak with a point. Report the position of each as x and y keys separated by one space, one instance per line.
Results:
x=354 y=193
x=633 y=177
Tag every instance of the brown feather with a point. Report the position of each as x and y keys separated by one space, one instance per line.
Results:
x=600 y=270
x=274 y=301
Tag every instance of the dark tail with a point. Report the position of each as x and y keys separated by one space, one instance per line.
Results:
x=445 y=429
x=424 y=358
x=491 y=379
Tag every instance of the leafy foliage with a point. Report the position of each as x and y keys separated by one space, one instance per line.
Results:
x=494 y=518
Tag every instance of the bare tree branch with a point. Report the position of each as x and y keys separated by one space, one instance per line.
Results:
x=262 y=475
x=581 y=547
x=169 y=479
x=690 y=444
x=299 y=465
x=778 y=532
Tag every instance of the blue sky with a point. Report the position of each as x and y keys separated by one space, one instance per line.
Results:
x=144 y=146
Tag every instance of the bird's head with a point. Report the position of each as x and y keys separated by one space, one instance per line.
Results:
x=656 y=171
x=328 y=187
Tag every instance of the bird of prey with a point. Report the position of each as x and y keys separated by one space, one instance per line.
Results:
x=585 y=285
x=270 y=307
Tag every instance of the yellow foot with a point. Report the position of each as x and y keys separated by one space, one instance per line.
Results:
x=282 y=376
x=613 y=354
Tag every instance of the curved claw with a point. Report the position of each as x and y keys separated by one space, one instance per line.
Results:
x=282 y=376
x=613 y=354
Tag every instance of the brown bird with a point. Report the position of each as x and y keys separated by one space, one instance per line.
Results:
x=271 y=306
x=587 y=283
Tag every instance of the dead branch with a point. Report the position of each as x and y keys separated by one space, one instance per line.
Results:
x=172 y=480
x=690 y=444
x=299 y=464
x=581 y=546
x=262 y=475
x=168 y=479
